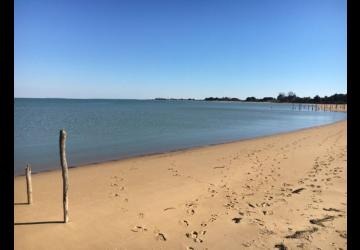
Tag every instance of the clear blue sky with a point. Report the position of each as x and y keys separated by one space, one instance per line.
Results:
x=190 y=49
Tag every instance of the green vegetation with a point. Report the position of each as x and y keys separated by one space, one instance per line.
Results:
x=289 y=98
x=292 y=98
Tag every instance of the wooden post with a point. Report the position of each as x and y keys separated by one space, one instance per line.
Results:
x=28 y=183
x=64 y=168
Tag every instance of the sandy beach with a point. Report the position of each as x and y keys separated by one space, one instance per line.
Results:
x=287 y=190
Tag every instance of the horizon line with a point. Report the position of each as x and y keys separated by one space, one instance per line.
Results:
x=102 y=98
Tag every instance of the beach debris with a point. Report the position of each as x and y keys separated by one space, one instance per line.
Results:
x=139 y=229
x=332 y=209
x=169 y=208
x=247 y=244
x=296 y=191
x=302 y=233
x=320 y=221
x=236 y=220
x=281 y=246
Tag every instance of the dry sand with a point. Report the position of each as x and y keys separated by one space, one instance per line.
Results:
x=285 y=189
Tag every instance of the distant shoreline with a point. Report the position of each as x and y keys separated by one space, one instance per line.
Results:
x=173 y=99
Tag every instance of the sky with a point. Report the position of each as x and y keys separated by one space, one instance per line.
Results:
x=180 y=49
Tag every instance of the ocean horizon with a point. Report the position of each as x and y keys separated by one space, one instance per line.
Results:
x=111 y=129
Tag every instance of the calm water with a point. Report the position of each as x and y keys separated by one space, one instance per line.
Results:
x=101 y=130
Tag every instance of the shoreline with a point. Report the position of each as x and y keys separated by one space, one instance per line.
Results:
x=176 y=150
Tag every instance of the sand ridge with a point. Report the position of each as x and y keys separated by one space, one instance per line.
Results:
x=277 y=192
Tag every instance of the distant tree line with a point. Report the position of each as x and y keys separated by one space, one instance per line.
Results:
x=221 y=99
x=289 y=98
x=174 y=99
x=292 y=98
x=265 y=99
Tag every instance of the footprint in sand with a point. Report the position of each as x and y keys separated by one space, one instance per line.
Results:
x=184 y=223
x=195 y=236
x=160 y=236
x=213 y=218
x=281 y=246
x=190 y=211
x=236 y=220
x=342 y=234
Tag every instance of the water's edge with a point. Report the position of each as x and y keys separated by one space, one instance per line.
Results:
x=185 y=149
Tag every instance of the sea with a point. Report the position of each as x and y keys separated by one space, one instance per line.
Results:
x=106 y=129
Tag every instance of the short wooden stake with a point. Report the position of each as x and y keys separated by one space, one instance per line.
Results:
x=28 y=184
x=64 y=168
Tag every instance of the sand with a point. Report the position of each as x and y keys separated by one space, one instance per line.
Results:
x=265 y=193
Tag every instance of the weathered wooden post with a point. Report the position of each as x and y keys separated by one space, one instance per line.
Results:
x=28 y=183
x=64 y=168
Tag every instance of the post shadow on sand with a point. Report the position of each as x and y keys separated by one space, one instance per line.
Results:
x=37 y=223
x=21 y=203
x=34 y=222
